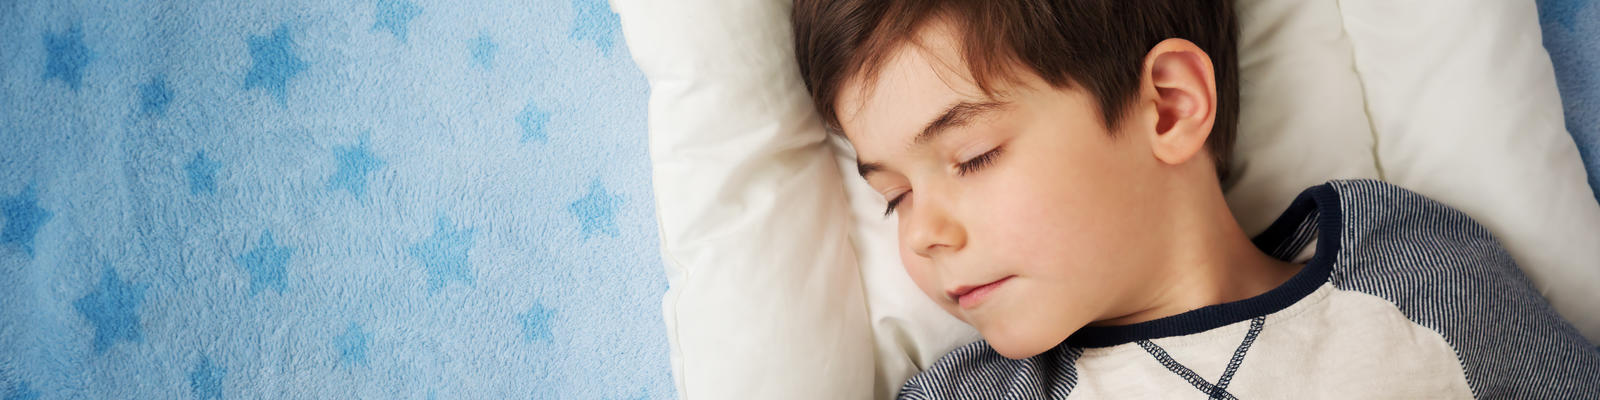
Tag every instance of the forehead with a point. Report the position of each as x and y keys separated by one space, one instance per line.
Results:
x=918 y=78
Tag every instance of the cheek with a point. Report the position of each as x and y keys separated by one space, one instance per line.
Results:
x=1063 y=226
x=921 y=272
x=1022 y=211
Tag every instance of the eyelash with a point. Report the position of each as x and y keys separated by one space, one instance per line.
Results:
x=962 y=169
x=977 y=163
x=893 y=203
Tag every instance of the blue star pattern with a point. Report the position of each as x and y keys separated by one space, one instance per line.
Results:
x=22 y=392
x=597 y=210
x=444 y=255
x=216 y=156
x=536 y=323
x=67 y=56
x=267 y=264
x=483 y=49
x=206 y=380
x=1564 y=12
x=154 y=96
x=356 y=163
x=23 y=219
x=275 y=63
x=533 y=120
x=395 y=15
x=352 y=345
x=593 y=20
x=113 y=309
x=202 y=173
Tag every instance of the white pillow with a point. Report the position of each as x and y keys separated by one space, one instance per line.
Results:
x=764 y=299
x=1439 y=70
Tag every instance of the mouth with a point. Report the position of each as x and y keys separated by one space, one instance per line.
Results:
x=970 y=296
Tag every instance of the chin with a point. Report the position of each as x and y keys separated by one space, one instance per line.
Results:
x=1017 y=345
x=1018 y=352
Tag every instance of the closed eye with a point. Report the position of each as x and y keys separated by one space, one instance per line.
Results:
x=894 y=202
x=962 y=169
x=977 y=163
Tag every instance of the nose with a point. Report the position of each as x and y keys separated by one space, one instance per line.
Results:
x=930 y=228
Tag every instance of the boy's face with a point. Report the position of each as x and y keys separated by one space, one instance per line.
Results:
x=1060 y=207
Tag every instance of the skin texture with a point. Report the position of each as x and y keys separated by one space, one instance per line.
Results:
x=1093 y=226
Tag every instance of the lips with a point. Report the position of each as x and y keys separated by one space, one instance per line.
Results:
x=968 y=295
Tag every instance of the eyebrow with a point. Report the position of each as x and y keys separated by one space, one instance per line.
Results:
x=955 y=116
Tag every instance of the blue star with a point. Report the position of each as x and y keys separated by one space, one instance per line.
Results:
x=67 y=57
x=536 y=323
x=113 y=309
x=22 y=392
x=593 y=20
x=355 y=164
x=154 y=96
x=444 y=255
x=202 y=174
x=275 y=63
x=483 y=49
x=206 y=379
x=352 y=345
x=597 y=210
x=394 y=15
x=1564 y=12
x=23 y=219
x=267 y=264
x=533 y=121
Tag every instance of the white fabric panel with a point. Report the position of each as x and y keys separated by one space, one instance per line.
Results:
x=1333 y=342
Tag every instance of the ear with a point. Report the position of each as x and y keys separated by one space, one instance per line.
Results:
x=1180 y=86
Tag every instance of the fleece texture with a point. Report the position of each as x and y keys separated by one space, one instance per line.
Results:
x=1572 y=36
x=417 y=199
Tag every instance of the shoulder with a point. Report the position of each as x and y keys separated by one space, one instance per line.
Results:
x=977 y=370
x=1415 y=251
x=1379 y=211
x=1384 y=223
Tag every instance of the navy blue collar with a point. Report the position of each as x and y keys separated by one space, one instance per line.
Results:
x=1322 y=200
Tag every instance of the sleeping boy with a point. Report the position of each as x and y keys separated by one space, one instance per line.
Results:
x=1056 y=169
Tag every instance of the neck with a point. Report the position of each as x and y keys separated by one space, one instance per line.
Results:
x=1210 y=261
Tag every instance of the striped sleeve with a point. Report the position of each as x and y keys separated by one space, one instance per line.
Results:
x=1448 y=273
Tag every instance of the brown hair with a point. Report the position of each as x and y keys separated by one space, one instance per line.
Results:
x=1098 y=44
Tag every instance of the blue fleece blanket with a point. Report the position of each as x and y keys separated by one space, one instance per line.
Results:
x=325 y=199
x=1572 y=35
